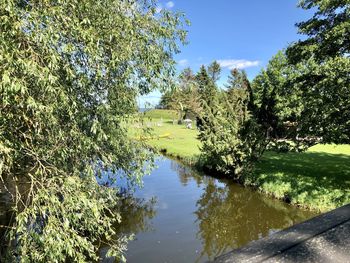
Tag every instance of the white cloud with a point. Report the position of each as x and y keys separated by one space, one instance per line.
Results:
x=170 y=4
x=238 y=63
x=183 y=62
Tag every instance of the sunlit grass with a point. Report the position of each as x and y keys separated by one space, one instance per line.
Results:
x=176 y=140
x=318 y=178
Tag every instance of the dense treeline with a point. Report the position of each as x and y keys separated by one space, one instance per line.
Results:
x=300 y=98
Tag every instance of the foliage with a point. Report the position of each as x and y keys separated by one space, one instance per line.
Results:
x=231 y=137
x=64 y=222
x=160 y=114
x=323 y=63
x=327 y=31
x=206 y=87
x=70 y=73
x=214 y=70
x=192 y=92
x=184 y=97
x=306 y=90
x=325 y=94
x=278 y=100
x=281 y=108
x=283 y=146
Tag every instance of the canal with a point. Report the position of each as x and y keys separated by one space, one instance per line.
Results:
x=182 y=216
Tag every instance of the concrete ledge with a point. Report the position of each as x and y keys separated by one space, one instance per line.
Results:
x=296 y=238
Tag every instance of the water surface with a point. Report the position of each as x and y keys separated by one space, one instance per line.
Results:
x=194 y=218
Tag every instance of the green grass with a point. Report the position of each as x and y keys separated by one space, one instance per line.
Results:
x=179 y=142
x=318 y=179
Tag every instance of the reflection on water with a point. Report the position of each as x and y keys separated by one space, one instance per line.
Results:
x=229 y=216
x=136 y=214
x=198 y=217
x=181 y=216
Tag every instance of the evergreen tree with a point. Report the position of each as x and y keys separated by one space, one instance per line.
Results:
x=184 y=97
x=231 y=137
x=214 y=71
x=327 y=31
x=190 y=92
x=187 y=77
x=206 y=87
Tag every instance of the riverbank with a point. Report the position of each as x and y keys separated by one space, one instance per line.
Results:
x=318 y=179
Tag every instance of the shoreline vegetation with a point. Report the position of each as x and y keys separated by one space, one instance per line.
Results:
x=72 y=75
x=317 y=179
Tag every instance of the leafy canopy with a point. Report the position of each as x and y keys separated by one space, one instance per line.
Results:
x=323 y=65
x=70 y=72
x=327 y=31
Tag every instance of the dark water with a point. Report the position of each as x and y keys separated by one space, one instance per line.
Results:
x=180 y=216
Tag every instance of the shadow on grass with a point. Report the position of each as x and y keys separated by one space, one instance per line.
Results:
x=318 y=180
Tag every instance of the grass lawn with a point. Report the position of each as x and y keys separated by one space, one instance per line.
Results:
x=174 y=140
x=317 y=179
x=180 y=142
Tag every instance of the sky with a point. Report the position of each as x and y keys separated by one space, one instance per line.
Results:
x=241 y=34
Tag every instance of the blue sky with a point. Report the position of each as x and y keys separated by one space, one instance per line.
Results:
x=237 y=33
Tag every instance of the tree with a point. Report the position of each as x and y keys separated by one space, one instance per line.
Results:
x=184 y=96
x=186 y=77
x=278 y=99
x=214 y=70
x=206 y=87
x=70 y=75
x=327 y=31
x=230 y=135
x=190 y=92
x=165 y=100
x=323 y=63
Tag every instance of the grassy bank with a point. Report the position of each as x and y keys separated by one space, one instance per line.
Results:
x=317 y=179
x=170 y=138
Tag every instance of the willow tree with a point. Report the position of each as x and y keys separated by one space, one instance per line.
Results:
x=70 y=72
